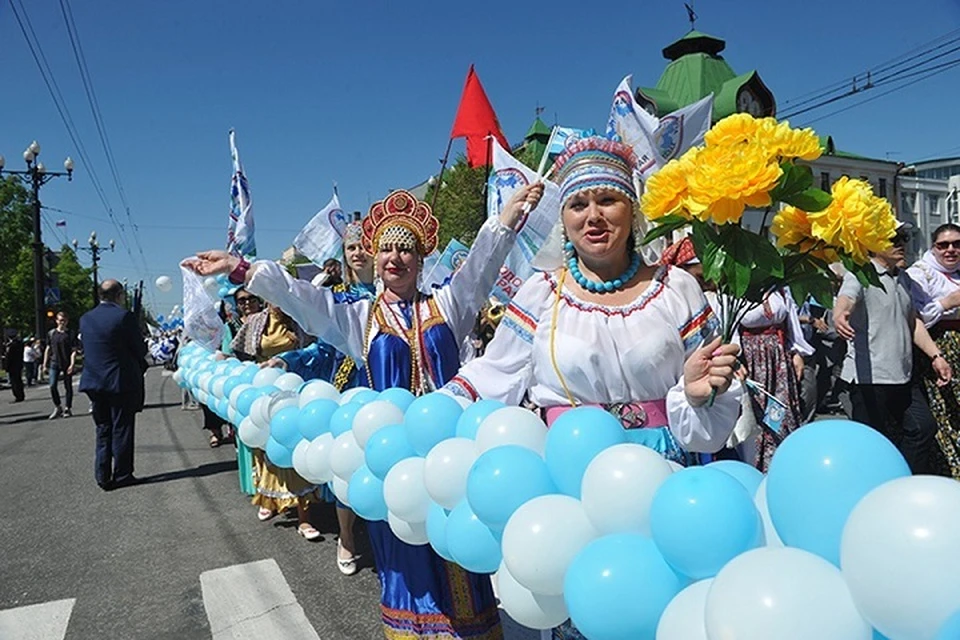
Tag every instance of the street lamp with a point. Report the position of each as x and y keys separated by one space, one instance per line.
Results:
x=35 y=177
x=93 y=248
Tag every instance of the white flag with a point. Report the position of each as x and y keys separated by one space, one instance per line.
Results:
x=240 y=240
x=682 y=129
x=322 y=237
x=508 y=175
x=634 y=127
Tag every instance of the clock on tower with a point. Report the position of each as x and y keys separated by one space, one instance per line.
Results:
x=748 y=102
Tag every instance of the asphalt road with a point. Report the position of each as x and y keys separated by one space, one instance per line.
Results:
x=132 y=558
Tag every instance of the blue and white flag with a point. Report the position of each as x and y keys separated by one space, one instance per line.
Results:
x=682 y=129
x=508 y=175
x=322 y=237
x=240 y=240
x=563 y=137
x=446 y=264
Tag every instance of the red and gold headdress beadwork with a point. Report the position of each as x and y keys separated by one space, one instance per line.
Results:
x=401 y=209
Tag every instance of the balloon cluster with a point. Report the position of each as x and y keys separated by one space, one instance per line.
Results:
x=838 y=541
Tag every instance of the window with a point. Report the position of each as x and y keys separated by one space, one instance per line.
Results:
x=933 y=204
x=882 y=188
x=825 y=181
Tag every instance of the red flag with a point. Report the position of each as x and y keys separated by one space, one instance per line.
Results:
x=476 y=120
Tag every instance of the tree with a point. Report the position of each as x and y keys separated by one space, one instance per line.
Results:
x=75 y=283
x=15 y=221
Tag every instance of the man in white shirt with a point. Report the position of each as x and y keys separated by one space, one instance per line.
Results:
x=883 y=328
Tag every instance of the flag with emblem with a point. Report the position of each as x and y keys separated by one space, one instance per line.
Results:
x=240 y=229
x=322 y=237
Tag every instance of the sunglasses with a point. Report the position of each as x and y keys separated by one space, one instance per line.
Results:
x=943 y=245
x=247 y=300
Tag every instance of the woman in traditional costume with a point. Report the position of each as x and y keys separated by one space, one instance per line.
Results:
x=263 y=336
x=604 y=327
x=412 y=340
x=321 y=361
x=936 y=279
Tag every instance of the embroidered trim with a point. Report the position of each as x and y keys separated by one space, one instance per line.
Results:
x=655 y=289
x=460 y=386
x=702 y=323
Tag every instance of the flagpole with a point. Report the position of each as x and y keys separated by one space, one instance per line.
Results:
x=335 y=192
x=439 y=183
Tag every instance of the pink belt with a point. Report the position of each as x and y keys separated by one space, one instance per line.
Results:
x=632 y=415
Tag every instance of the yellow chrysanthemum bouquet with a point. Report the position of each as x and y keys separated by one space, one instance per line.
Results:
x=753 y=162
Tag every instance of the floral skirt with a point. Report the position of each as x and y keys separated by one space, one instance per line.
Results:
x=769 y=365
x=944 y=403
x=424 y=597
x=279 y=489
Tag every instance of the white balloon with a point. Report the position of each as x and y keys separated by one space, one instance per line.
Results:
x=512 y=425
x=541 y=539
x=317 y=459
x=675 y=466
x=900 y=554
x=533 y=610
x=346 y=456
x=203 y=381
x=203 y=397
x=252 y=435
x=237 y=390
x=782 y=593
x=404 y=491
x=178 y=376
x=164 y=283
x=318 y=390
x=340 y=489
x=288 y=382
x=349 y=393
x=266 y=376
x=233 y=416
x=770 y=534
x=374 y=416
x=618 y=488
x=221 y=367
x=683 y=619
x=216 y=386
x=445 y=470
x=260 y=411
x=414 y=533
x=300 y=459
x=463 y=402
x=212 y=287
x=281 y=400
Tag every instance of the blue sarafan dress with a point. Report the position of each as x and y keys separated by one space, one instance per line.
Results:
x=415 y=345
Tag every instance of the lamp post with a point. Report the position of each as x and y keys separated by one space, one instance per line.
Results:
x=93 y=248
x=35 y=177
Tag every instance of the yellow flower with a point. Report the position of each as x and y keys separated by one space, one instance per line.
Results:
x=857 y=221
x=787 y=143
x=791 y=227
x=735 y=129
x=726 y=179
x=667 y=188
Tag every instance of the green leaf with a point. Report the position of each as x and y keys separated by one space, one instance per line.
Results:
x=796 y=178
x=740 y=250
x=810 y=200
x=768 y=259
x=707 y=245
x=665 y=226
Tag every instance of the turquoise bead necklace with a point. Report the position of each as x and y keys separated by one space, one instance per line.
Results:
x=600 y=287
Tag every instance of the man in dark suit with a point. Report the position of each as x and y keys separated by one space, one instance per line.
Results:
x=13 y=365
x=113 y=366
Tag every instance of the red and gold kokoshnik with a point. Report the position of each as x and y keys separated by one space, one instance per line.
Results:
x=401 y=209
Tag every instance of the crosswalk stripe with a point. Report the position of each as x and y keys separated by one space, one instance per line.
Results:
x=253 y=601
x=46 y=621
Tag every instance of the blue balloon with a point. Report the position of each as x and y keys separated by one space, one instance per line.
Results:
x=618 y=586
x=283 y=427
x=365 y=494
x=247 y=374
x=398 y=396
x=430 y=419
x=750 y=477
x=230 y=384
x=386 y=447
x=702 y=518
x=314 y=418
x=245 y=400
x=473 y=415
x=471 y=543
x=279 y=455
x=437 y=531
x=365 y=396
x=342 y=419
x=222 y=405
x=504 y=478
x=817 y=476
x=574 y=439
x=950 y=629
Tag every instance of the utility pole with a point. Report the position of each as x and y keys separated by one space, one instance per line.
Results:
x=93 y=248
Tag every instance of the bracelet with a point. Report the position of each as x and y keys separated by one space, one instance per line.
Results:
x=239 y=274
x=939 y=355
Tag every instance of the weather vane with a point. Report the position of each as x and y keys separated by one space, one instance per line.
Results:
x=691 y=15
x=539 y=109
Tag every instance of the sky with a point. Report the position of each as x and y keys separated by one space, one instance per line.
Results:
x=364 y=94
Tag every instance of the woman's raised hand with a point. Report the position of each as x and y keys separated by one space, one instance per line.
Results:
x=709 y=367
x=521 y=203
x=211 y=263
